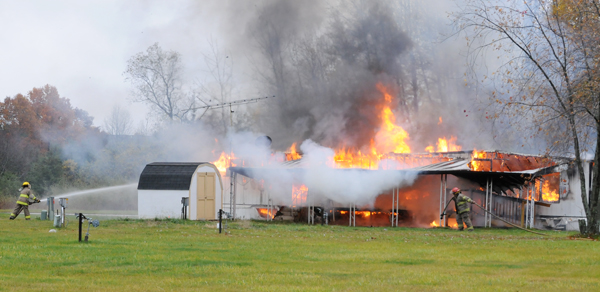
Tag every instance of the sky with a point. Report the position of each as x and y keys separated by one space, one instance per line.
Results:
x=81 y=47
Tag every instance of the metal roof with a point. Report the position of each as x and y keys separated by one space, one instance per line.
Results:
x=502 y=181
x=168 y=175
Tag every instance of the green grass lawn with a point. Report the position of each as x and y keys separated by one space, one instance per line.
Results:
x=259 y=256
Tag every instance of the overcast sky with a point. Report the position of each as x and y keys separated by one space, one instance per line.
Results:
x=82 y=47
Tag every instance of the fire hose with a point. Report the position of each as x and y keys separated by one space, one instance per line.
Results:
x=519 y=227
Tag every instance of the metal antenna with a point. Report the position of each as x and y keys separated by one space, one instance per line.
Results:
x=230 y=104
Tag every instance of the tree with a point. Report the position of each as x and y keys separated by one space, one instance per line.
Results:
x=542 y=83
x=157 y=81
x=219 y=90
x=31 y=126
x=119 y=122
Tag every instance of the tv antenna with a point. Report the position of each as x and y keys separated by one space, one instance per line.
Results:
x=230 y=105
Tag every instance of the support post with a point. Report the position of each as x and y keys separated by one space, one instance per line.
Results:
x=233 y=215
x=352 y=215
x=220 y=220
x=441 y=196
x=80 y=225
x=445 y=190
x=332 y=213
x=397 y=205
x=393 y=206
x=523 y=214
x=230 y=192
x=491 y=200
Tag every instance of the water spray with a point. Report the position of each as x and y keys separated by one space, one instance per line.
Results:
x=92 y=191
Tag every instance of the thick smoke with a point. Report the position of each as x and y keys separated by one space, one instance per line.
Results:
x=322 y=60
x=347 y=186
x=342 y=186
x=322 y=65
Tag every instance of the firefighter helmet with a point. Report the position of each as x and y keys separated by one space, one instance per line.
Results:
x=455 y=190
x=25 y=184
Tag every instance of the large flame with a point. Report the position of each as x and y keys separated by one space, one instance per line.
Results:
x=224 y=162
x=445 y=145
x=548 y=194
x=390 y=137
x=299 y=193
x=292 y=154
x=266 y=212
x=477 y=165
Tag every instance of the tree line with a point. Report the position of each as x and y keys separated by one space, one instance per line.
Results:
x=51 y=144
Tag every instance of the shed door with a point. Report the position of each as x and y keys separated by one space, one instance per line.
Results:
x=206 y=196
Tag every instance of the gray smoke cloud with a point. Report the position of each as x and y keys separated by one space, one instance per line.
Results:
x=323 y=60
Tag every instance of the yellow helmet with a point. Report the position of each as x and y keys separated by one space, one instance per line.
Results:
x=25 y=184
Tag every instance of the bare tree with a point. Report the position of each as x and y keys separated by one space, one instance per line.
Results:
x=538 y=83
x=219 y=88
x=157 y=81
x=119 y=122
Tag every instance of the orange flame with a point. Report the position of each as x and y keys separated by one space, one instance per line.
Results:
x=445 y=145
x=299 y=193
x=451 y=223
x=224 y=162
x=477 y=165
x=266 y=212
x=390 y=137
x=440 y=122
x=292 y=154
x=349 y=158
x=548 y=194
x=363 y=213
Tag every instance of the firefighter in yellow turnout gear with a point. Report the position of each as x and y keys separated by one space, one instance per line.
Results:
x=25 y=199
x=463 y=212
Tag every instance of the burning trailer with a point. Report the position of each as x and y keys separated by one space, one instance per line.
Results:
x=164 y=186
x=525 y=190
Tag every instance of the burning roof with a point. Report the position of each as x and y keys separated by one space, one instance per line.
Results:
x=509 y=171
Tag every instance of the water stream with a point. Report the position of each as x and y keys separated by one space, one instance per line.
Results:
x=92 y=191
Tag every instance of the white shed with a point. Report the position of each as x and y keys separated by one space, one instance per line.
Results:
x=163 y=184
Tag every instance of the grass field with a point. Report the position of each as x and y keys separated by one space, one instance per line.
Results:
x=132 y=255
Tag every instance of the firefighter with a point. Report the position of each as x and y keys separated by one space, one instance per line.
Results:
x=25 y=199
x=463 y=213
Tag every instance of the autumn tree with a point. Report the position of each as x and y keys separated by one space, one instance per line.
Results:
x=545 y=78
x=34 y=128
x=156 y=77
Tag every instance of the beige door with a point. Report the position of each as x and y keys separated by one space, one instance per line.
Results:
x=205 y=208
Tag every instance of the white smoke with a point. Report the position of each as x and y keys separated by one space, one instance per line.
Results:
x=317 y=172
x=347 y=186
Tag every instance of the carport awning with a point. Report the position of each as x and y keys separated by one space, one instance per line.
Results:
x=502 y=181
